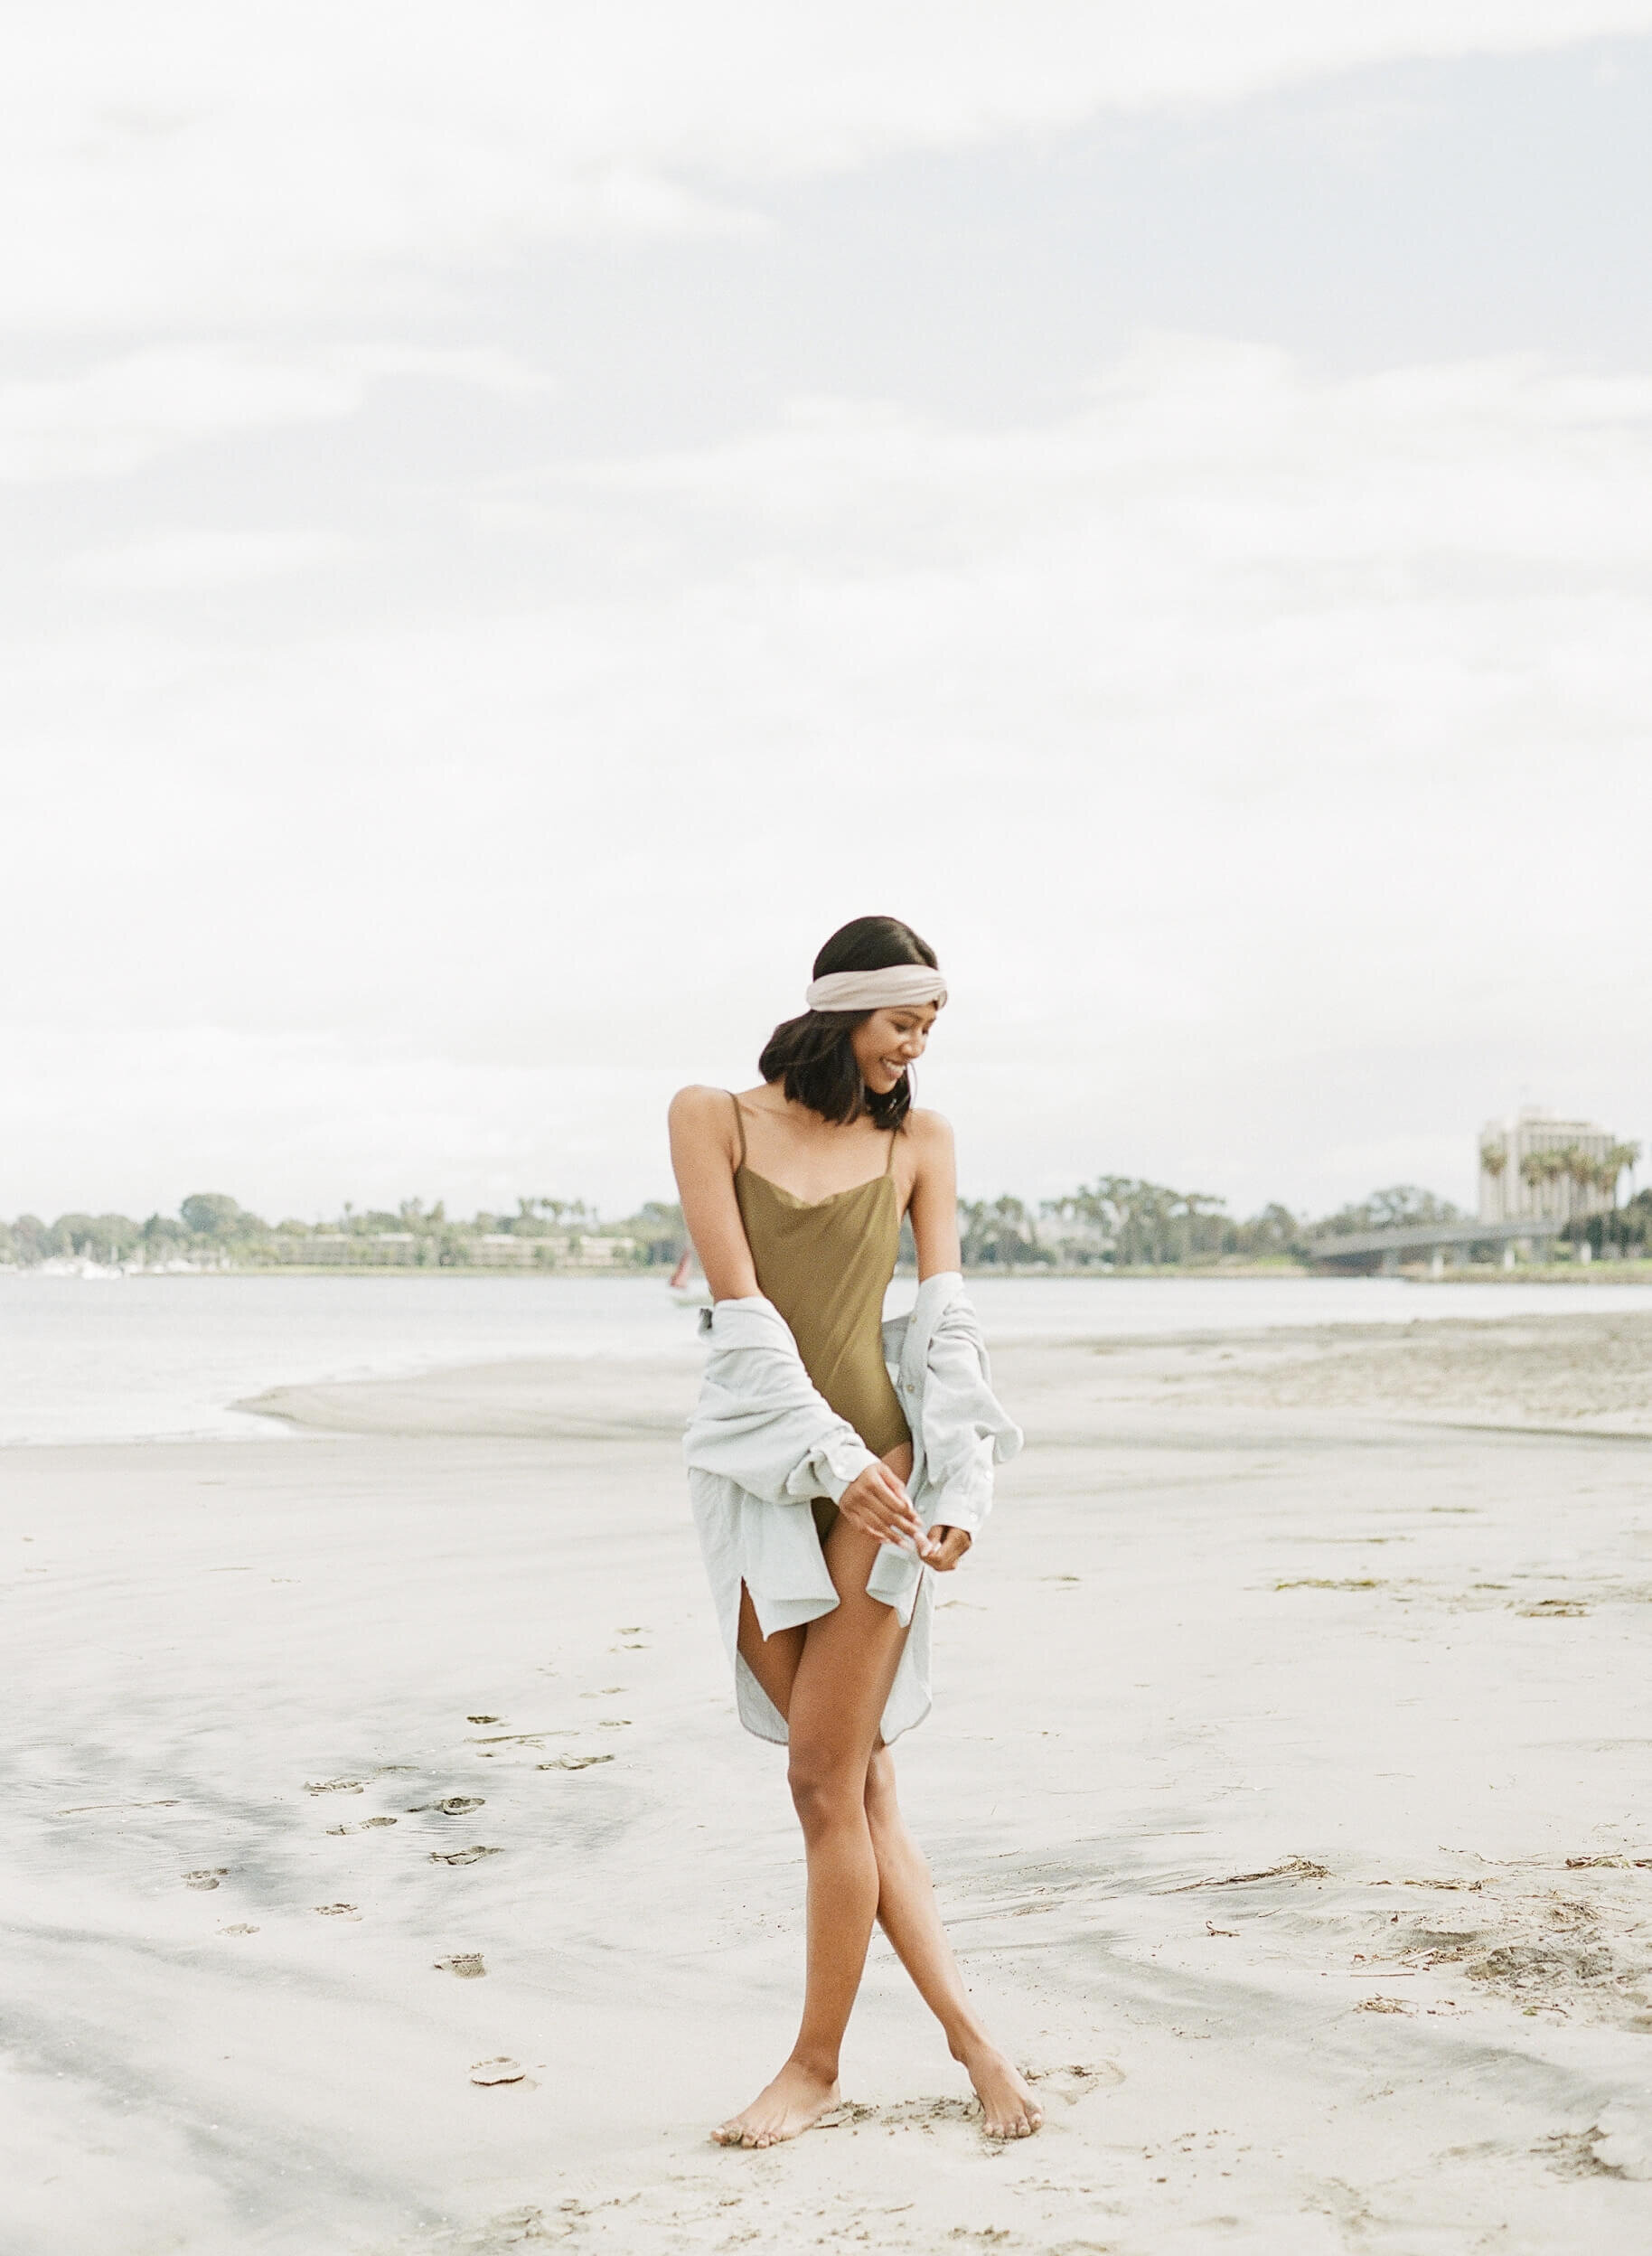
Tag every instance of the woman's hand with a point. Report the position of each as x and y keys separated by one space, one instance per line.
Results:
x=947 y=1545
x=876 y=1502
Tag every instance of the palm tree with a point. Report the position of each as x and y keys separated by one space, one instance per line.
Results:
x=1618 y=1157
x=1534 y=1168
x=1577 y=1167
x=1621 y=1158
x=1494 y=1160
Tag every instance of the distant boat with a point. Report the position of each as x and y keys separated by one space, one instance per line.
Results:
x=686 y=1289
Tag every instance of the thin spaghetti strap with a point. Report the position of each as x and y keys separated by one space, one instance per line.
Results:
x=739 y=1122
x=888 y=1165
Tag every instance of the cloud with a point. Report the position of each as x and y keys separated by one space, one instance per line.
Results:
x=243 y=165
x=190 y=559
x=1266 y=753
x=115 y=414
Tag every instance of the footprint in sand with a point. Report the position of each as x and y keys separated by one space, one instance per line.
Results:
x=334 y=1786
x=462 y=1855
x=1078 y=2080
x=497 y=2071
x=573 y=1762
x=455 y=1806
x=210 y=1878
x=919 y=2114
x=466 y=1964
x=485 y=1719
x=338 y=1910
x=241 y=1928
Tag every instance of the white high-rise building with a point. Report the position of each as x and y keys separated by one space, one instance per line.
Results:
x=1537 y=1163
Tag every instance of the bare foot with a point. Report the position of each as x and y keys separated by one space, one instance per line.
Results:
x=1008 y=2108
x=794 y=2102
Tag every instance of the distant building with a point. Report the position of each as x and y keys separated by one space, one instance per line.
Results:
x=1538 y=1164
x=503 y=1249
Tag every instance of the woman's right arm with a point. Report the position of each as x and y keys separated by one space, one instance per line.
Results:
x=703 y=1157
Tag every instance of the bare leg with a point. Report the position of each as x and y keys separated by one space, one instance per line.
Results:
x=773 y=1661
x=907 y=1913
x=838 y=1693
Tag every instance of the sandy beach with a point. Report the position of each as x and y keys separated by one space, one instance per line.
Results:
x=1286 y=1790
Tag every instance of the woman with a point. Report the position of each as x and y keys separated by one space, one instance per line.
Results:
x=801 y=1455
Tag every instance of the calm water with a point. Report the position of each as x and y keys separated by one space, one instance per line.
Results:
x=142 y=1356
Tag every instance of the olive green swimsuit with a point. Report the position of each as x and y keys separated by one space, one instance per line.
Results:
x=826 y=1264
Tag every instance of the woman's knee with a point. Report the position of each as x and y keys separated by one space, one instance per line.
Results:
x=827 y=1786
x=882 y=1805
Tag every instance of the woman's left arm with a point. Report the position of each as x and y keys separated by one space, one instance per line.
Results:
x=933 y=1203
x=934 y=1209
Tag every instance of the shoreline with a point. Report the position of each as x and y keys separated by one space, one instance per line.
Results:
x=1586 y=1366
x=1591 y=1273
x=1520 y=1374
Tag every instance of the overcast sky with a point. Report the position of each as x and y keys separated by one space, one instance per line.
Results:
x=523 y=518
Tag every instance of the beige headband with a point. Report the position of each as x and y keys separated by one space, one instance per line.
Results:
x=885 y=989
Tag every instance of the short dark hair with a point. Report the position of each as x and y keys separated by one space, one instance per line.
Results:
x=814 y=1057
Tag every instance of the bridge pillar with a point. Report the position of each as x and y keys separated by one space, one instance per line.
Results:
x=1436 y=1263
x=1508 y=1253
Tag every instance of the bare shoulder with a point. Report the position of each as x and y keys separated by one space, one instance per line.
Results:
x=931 y=1136
x=698 y=1107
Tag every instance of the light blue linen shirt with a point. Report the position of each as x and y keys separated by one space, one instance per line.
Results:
x=762 y=1444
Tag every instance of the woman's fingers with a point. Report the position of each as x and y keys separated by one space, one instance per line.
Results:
x=876 y=1502
x=882 y=1530
x=893 y=1491
x=949 y=1546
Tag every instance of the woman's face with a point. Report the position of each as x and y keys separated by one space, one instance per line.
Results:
x=888 y=1041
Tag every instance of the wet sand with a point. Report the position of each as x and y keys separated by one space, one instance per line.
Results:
x=1286 y=1789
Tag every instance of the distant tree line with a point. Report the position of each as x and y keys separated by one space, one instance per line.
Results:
x=1117 y=1222
x=212 y=1229
x=1125 y=1222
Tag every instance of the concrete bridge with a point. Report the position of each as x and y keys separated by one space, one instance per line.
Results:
x=1437 y=1239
